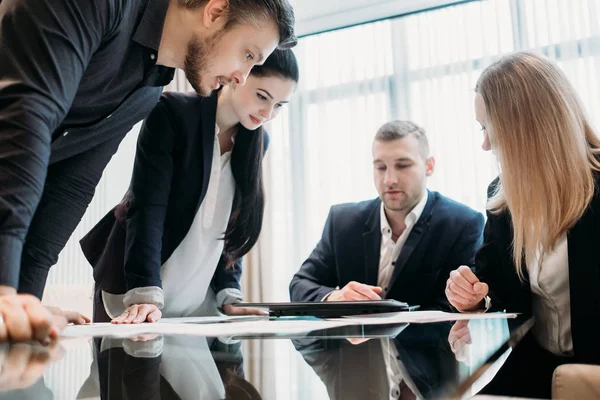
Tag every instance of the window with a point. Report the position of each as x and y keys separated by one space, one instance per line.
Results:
x=422 y=67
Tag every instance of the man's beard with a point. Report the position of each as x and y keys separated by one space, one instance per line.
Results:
x=408 y=203
x=197 y=60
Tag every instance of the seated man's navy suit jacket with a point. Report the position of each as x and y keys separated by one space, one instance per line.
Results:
x=446 y=236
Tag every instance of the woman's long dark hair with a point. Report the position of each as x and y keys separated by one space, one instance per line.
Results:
x=248 y=208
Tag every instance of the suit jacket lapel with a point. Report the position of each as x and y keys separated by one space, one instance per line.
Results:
x=415 y=236
x=208 y=113
x=372 y=245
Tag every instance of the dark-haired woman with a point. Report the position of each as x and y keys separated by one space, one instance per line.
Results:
x=172 y=247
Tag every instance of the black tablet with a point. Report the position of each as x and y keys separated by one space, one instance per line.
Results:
x=330 y=309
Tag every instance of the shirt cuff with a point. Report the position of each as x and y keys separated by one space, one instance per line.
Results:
x=145 y=295
x=11 y=248
x=326 y=296
x=228 y=340
x=488 y=303
x=140 y=349
x=228 y=296
x=108 y=343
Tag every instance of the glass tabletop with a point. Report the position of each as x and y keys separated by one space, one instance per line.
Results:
x=406 y=361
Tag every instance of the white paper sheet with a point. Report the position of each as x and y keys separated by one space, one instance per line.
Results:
x=254 y=327
x=418 y=317
x=257 y=325
x=211 y=319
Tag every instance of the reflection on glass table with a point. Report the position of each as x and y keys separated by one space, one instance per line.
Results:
x=434 y=360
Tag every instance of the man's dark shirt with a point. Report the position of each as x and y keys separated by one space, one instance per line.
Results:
x=73 y=73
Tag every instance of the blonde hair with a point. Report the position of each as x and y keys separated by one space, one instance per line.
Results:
x=546 y=148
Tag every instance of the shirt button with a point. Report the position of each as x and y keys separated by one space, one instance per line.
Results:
x=65 y=133
x=153 y=56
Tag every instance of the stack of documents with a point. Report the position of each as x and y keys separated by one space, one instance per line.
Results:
x=421 y=317
x=263 y=325
x=222 y=326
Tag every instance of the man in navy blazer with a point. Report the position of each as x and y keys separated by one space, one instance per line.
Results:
x=399 y=246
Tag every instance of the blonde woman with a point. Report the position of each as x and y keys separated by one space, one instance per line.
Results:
x=541 y=250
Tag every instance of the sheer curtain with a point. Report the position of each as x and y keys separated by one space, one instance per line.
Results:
x=422 y=67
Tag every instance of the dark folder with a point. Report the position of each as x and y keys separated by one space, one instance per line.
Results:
x=330 y=309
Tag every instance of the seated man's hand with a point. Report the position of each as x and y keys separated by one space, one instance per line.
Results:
x=355 y=291
x=22 y=364
x=230 y=309
x=464 y=291
x=139 y=313
x=72 y=317
x=25 y=318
